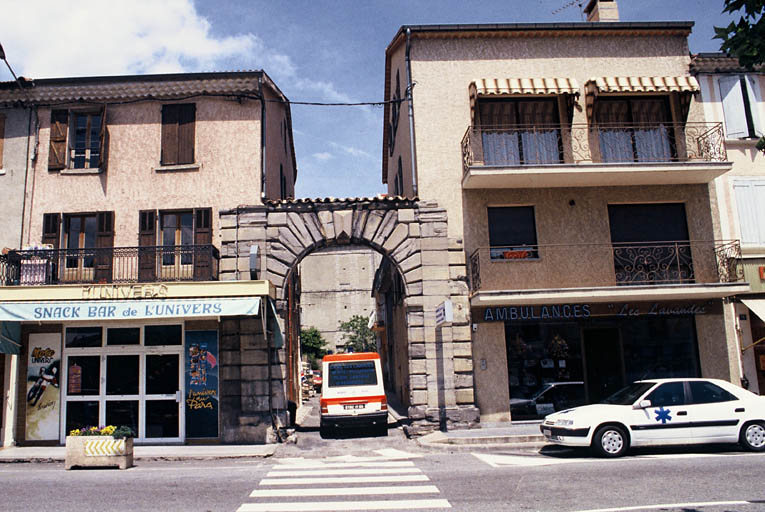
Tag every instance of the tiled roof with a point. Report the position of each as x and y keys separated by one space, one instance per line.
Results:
x=130 y=88
x=717 y=63
x=645 y=84
x=336 y=201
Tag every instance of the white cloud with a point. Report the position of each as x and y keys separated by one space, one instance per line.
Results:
x=350 y=150
x=323 y=157
x=94 y=37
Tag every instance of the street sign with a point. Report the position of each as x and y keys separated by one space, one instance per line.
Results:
x=444 y=313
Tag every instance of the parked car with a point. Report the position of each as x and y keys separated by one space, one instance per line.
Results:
x=317 y=380
x=663 y=412
x=548 y=399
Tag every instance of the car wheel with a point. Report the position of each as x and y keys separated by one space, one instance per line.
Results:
x=752 y=436
x=610 y=441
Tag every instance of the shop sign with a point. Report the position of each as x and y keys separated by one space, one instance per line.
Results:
x=124 y=291
x=583 y=311
x=128 y=310
x=201 y=364
x=43 y=397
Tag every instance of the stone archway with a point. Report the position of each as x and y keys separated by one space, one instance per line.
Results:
x=412 y=235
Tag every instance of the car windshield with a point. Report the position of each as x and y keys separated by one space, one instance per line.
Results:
x=540 y=391
x=629 y=394
x=355 y=373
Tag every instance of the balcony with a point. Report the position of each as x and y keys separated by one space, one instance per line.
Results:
x=603 y=272
x=109 y=265
x=582 y=155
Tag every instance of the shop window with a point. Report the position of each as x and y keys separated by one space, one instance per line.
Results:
x=122 y=412
x=122 y=375
x=750 y=203
x=83 y=337
x=123 y=336
x=161 y=418
x=81 y=414
x=83 y=376
x=77 y=140
x=740 y=101
x=708 y=393
x=635 y=129
x=650 y=243
x=666 y=395
x=158 y=335
x=520 y=131
x=178 y=134
x=162 y=374
x=512 y=233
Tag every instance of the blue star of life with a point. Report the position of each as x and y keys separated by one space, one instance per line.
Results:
x=662 y=415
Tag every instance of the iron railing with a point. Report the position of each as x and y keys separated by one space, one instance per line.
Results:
x=525 y=145
x=110 y=265
x=616 y=264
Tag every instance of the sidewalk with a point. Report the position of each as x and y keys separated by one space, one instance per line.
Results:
x=524 y=435
x=176 y=452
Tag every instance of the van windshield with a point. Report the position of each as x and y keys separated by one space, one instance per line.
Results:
x=352 y=373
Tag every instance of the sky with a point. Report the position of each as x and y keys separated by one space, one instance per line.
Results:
x=315 y=50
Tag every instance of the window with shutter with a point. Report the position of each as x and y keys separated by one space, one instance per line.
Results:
x=740 y=100
x=51 y=229
x=147 y=245
x=105 y=245
x=59 y=122
x=750 y=203
x=178 y=134
x=512 y=232
x=78 y=140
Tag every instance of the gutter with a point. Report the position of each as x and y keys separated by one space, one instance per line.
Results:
x=262 y=139
x=409 y=88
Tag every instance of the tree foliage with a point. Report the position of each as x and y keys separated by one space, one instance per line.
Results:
x=745 y=38
x=312 y=345
x=357 y=335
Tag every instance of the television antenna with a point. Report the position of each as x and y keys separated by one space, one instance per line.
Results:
x=571 y=3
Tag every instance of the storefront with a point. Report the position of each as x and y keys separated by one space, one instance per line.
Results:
x=149 y=361
x=564 y=355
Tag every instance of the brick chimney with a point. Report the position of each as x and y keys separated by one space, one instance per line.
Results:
x=602 y=10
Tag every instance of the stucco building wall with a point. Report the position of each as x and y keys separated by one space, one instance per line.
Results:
x=12 y=175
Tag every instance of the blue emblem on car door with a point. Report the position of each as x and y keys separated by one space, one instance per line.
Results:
x=663 y=415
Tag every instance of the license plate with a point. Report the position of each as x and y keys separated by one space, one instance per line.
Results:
x=353 y=406
x=549 y=435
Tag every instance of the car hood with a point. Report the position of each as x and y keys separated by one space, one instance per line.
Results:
x=586 y=411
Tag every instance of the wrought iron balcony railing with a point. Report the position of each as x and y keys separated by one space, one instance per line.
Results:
x=618 y=264
x=110 y=265
x=525 y=145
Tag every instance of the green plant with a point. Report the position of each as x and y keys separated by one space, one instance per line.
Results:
x=744 y=39
x=312 y=345
x=357 y=335
x=109 y=430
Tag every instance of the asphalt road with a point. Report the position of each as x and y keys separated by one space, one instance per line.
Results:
x=393 y=474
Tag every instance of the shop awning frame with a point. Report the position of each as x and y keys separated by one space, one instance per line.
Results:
x=506 y=87
x=684 y=86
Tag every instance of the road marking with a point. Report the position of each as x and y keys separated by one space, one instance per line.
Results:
x=497 y=461
x=320 y=464
x=349 y=471
x=392 y=453
x=345 y=505
x=671 y=505
x=345 y=491
x=344 y=479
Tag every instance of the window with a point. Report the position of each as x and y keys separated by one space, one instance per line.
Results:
x=512 y=233
x=750 y=202
x=178 y=134
x=352 y=373
x=282 y=183
x=671 y=393
x=740 y=100
x=635 y=129
x=398 y=183
x=176 y=230
x=708 y=393
x=80 y=233
x=77 y=140
x=88 y=242
x=520 y=131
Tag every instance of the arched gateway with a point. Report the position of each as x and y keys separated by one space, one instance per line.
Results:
x=436 y=366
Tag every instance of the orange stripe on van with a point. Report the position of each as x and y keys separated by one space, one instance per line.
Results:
x=352 y=357
x=326 y=402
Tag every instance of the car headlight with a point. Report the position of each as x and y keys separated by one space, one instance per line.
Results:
x=564 y=423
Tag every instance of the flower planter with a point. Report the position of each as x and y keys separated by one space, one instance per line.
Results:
x=98 y=451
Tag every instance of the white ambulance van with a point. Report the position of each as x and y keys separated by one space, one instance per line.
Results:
x=352 y=393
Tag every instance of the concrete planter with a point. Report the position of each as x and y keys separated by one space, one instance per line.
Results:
x=98 y=451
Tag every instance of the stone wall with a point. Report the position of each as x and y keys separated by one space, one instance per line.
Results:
x=413 y=236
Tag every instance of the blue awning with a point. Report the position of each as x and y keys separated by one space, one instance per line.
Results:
x=273 y=324
x=10 y=337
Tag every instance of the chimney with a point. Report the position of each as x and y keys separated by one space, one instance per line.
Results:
x=602 y=10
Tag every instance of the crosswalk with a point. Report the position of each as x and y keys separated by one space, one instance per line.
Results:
x=500 y=460
x=381 y=482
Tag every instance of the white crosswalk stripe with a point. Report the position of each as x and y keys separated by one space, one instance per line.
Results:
x=302 y=485
x=543 y=460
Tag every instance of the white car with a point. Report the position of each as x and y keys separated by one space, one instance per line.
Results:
x=663 y=412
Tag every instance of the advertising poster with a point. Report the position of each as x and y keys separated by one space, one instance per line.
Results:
x=43 y=397
x=201 y=364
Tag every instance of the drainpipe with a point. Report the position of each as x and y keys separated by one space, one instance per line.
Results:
x=262 y=139
x=411 y=110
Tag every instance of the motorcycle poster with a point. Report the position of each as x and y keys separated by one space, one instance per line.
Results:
x=43 y=395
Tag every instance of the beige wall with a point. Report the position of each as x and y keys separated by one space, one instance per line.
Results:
x=444 y=68
x=578 y=237
x=278 y=151
x=12 y=175
x=402 y=147
x=492 y=390
x=227 y=149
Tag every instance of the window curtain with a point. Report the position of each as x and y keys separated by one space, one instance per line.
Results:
x=520 y=132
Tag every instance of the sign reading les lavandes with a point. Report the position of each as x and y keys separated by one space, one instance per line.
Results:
x=555 y=312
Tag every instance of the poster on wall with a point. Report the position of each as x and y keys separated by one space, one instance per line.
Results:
x=43 y=397
x=201 y=364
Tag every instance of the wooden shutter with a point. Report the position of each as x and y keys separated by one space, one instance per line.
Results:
x=51 y=229
x=169 y=135
x=203 y=244
x=105 y=247
x=186 y=119
x=733 y=107
x=147 y=241
x=59 y=126
x=104 y=142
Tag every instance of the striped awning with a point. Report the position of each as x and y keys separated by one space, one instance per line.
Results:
x=498 y=87
x=642 y=84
